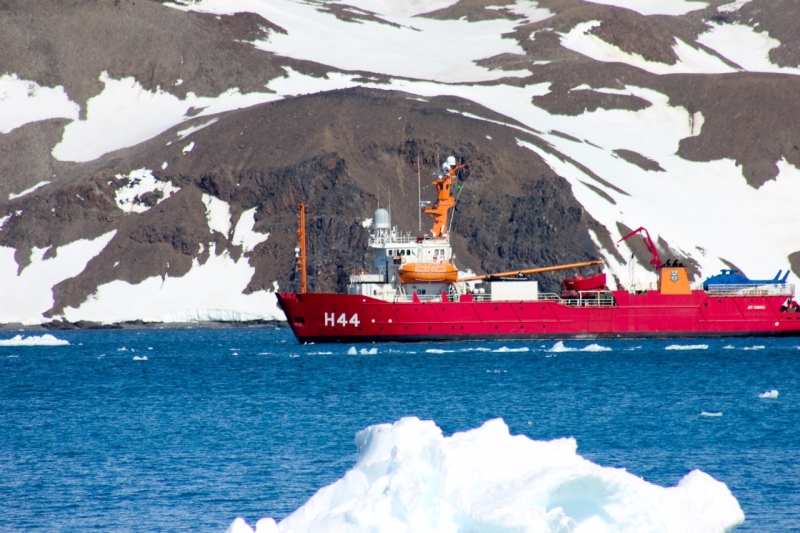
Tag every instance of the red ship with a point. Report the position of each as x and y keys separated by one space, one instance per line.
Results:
x=418 y=295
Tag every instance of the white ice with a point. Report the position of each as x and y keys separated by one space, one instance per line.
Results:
x=733 y=6
x=12 y=196
x=169 y=299
x=140 y=358
x=690 y=60
x=744 y=46
x=243 y=234
x=655 y=7
x=34 y=340
x=772 y=394
x=31 y=290
x=687 y=347
x=352 y=351
x=506 y=349
x=409 y=477
x=711 y=414
x=24 y=101
x=141 y=181
x=421 y=48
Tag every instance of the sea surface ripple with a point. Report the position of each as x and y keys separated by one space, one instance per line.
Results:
x=219 y=423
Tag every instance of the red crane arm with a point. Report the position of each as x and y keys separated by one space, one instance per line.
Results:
x=656 y=260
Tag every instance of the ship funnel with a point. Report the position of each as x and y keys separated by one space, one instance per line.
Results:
x=451 y=161
x=380 y=220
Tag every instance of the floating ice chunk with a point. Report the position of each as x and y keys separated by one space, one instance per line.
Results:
x=371 y=351
x=506 y=349
x=34 y=340
x=240 y=526
x=409 y=477
x=479 y=349
x=559 y=348
x=595 y=348
x=769 y=394
x=707 y=413
x=438 y=350
x=123 y=349
x=754 y=347
x=687 y=347
x=729 y=347
x=140 y=358
x=352 y=351
x=266 y=525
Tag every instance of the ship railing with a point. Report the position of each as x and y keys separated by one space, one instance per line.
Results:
x=767 y=289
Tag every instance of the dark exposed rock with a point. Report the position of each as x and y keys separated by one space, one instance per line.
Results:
x=639 y=160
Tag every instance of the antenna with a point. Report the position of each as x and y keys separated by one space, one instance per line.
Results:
x=419 y=196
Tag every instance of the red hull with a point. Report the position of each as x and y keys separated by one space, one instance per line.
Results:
x=352 y=318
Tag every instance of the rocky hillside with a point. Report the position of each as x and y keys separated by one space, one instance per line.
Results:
x=152 y=155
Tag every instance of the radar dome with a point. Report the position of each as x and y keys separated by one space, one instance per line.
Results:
x=380 y=220
x=451 y=161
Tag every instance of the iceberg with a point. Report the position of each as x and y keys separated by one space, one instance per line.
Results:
x=409 y=477
x=34 y=340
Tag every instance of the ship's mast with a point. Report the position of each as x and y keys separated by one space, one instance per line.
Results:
x=301 y=248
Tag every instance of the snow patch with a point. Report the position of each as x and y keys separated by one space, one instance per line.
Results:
x=31 y=289
x=39 y=185
x=243 y=234
x=655 y=7
x=23 y=102
x=188 y=148
x=125 y=114
x=140 y=182
x=733 y=6
x=414 y=47
x=218 y=214
x=409 y=477
x=744 y=46
x=182 y=134
x=690 y=60
x=169 y=299
x=34 y=340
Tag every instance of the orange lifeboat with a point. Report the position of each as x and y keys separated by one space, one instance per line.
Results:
x=443 y=272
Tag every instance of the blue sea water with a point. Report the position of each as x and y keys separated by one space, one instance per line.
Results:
x=219 y=423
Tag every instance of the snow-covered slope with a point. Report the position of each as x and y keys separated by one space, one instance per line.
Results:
x=643 y=137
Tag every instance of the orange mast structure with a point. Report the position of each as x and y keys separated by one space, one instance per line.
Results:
x=301 y=248
x=445 y=201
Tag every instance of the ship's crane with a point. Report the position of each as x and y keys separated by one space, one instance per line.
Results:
x=656 y=260
x=539 y=270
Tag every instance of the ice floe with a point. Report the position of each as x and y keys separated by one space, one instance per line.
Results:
x=140 y=358
x=769 y=394
x=711 y=414
x=34 y=340
x=687 y=347
x=438 y=350
x=506 y=349
x=409 y=477
x=559 y=347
